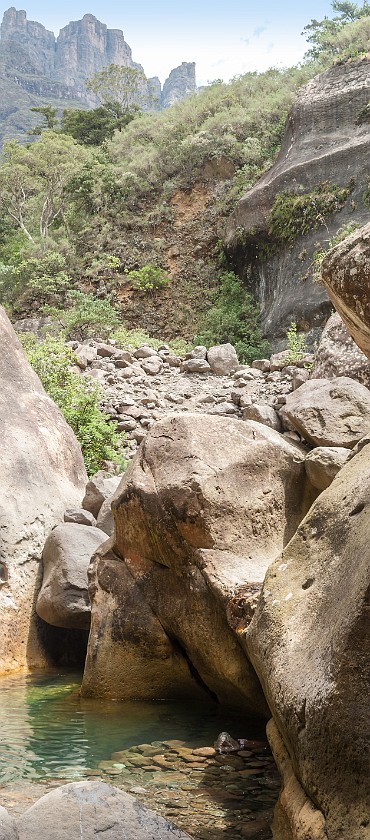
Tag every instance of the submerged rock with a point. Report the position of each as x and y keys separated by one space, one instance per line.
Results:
x=91 y=810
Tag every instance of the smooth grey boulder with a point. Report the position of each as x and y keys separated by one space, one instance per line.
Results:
x=195 y=366
x=222 y=359
x=93 y=810
x=63 y=599
x=8 y=829
x=329 y=412
x=98 y=489
x=323 y=464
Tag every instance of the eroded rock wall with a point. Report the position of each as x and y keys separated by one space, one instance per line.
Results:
x=41 y=473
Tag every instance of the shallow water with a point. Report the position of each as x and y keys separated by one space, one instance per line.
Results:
x=48 y=732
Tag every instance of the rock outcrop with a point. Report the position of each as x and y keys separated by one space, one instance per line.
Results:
x=329 y=412
x=41 y=474
x=92 y=810
x=204 y=508
x=338 y=355
x=36 y=68
x=310 y=644
x=345 y=273
x=324 y=147
x=63 y=599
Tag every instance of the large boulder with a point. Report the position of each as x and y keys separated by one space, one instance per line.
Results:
x=345 y=273
x=310 y=644
x=8 y=829
x=41 y=474
x=324 y=148
x=223 y=359
x=206 y=505
x=329 y=412
x=323 y=464
x=338 y=355
x=63 y=600
x=93 y=811
x=100 y=487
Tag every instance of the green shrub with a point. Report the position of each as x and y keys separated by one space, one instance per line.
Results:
x=296 y=343
x=78 y=399
x=85 y=316
x=149 y=278
x=234 y=318
x=293 y=215
x=132 y=339
x=37 y=277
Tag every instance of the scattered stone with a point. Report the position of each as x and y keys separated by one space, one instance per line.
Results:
x=79 y=516
x=85 y=354
x=199 y=352
x=145 y=352
x=152 y=366
x=195 y=366
x=329 y=412
x=262 y=414
x=105 y=350
x=338 y=355
x=226 y=744
x=101 y=486
x=299 y=377
x=222 y=359
x=261 y=364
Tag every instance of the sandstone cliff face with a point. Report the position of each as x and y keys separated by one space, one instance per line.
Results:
x=41 y=473
x=35 y=64
x=323 y=143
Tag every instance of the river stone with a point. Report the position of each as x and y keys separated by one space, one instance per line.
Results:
x=310 y=644
x=195 y=366
x=329 y=412
x=8 y=829
x=338 y=355
x=202 y=510
x=63 y=599
x=98 y=489
x=90 y=810
x=323 y=464
x=41 y=474
x=345 y=274
x=222 y=359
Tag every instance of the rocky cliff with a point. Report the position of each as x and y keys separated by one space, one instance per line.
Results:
x=317 y=185
x=37 y=68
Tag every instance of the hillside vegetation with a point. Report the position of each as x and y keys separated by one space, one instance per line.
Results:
x=136 y=222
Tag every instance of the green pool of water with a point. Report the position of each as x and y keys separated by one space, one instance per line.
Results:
x=48 y=731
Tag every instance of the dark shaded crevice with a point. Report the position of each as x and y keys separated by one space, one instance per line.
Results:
x=193 y=671
x=62 y=647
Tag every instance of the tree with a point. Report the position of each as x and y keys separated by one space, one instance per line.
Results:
x=125 y=87
x=50 y=117
x=91 y=128
x=322 y=34
x=34 y=181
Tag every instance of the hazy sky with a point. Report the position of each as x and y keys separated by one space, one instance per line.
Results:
x=223 y=38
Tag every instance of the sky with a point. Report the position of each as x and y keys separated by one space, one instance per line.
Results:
x=224 y=38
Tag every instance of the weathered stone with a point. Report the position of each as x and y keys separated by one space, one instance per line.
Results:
x=278 y=361
x=299 y=376
x=198 y=352
x=195 y=366
x=345 y=274
x=316 y=149
x=41 y=474
x=145 y=352
x=85 y=354
x=152 y=366
x=8 y=829
x=222 y=359
x=329 y=412
x=338 y=355
x=79 y=516
x=323 y=464
x=105 y=517
x=262 y=414
x=261 y=364
x=98 y=489
x=226 y=744
x=92 y=810
x=105 y=351
x=198 y=517
x=310 y=644
x=63 y=599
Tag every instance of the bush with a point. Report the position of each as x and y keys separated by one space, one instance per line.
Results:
x=36 y=277
x=149 y=278
x=234 y=318
x=77 y=398
x=296 y=344
x=293 y=215
x=85 y=316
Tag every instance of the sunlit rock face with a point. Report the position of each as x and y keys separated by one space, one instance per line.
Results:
x=310 y=644
x=324 y=143
x=206 y=505
x=41 y=473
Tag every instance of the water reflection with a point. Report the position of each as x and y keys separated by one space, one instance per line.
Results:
x=48 y=731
